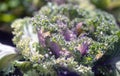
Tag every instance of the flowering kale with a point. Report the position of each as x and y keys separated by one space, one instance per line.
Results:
x=64 y=36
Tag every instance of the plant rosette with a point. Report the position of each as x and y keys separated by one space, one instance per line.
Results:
x=64 y=39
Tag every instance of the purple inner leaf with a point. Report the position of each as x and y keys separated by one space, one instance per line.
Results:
x=69 y=35
x=83 y=48
x=41 y=38
x=55 y=48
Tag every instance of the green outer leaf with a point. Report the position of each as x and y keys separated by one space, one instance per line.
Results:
x=7 y=55
x=6 y=61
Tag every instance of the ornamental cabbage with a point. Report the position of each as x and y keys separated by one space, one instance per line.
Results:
x=63 y=40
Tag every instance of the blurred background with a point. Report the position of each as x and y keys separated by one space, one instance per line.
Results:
x=13 y=9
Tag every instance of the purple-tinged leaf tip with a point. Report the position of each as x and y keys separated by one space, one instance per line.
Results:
x=78 y=28
x=42 y=36
x=83 y=48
